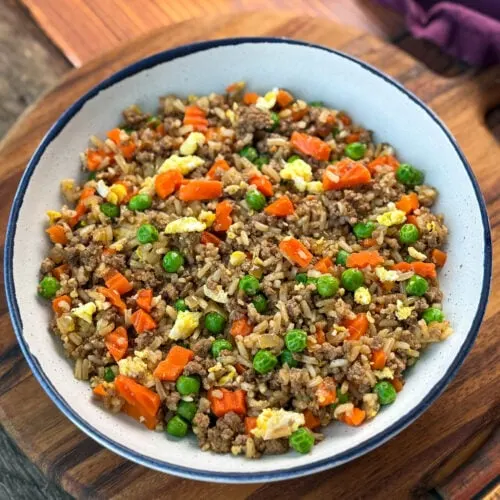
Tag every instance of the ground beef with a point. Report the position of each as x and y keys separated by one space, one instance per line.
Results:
x=117 y=261
x=272 y=447
x=146 y=278
x=327 y=352
x=226 y=429
x=194 y=368
x=249 y=119
x=173 y=397
x=47 y=265
x=201 y=347
x=134 y=116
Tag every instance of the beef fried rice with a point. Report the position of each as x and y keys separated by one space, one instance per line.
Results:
x=249 y=268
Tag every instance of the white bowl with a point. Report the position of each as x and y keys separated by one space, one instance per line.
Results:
x=311 y=72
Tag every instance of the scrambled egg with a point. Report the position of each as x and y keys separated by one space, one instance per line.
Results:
x=148 y=186
x=185 y=225
x=217 y=295
x=385 y=275
x=185 y=164
x=314 y=187
x=53 y=216
x=133 y=367
x=206 y=217
x=185 y=325
x=416 y=254
x=274 y=424
x=232 y=117
x=237 y=258
x=384 y=374
x=85 y=311
x=299 y=172
x=362 y=296
x=102 y=189
x=268 y=101
x=402 y=311
x=117 y=193
x=190 y=145
x=431 y=226
x=229 y=376
x=392 y=217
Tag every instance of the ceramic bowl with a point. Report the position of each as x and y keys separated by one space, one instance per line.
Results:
x=312 y=72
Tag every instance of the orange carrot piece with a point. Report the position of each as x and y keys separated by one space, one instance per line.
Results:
x=207 y=238
x=295 y=252
x=142 y=321
x=100 y=391
x=344 y=118
x=215 y=170
x=424 y=269
x=235 y=87
x=382 y=161
x=250 y=98
x=284 y=98
x=311 y=421
x=116 y=281
x=282 y=207
x=379 y=359
x=160 y=129
x=173 y=365
x=196 y=117
x=250 y=423
x=357 y=326
x=324 y=265
x=212 y=134
x=230 y=401
x=240 y=368
x=61 y=304
x=320 y=335
x=223 y=218
x=167 y=182
x=345 y=174
x=57 y=234
x=150 y=421
x=310 y=145
x=199 y=189
x=326 y=393
x=298 y=114
x=95 y=158
x=397 y=383
x=128 y=150
x=364 y=258
x=352 y=138
x=408 y=203
x=58 y=271
x=439 y=257
x=241 y=327
x=368 y=242
x=81 y=207
x=114 y=297
x=109 y=251
x=144 y=400
x=356 y=418
x=263 y=184
x=144 y=299
x=114 y=135
x=117 y=343
x=412 y=219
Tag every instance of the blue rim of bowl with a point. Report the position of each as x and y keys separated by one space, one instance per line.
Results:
x=228 y=477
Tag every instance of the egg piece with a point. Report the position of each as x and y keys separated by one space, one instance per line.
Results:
x=275 y=424
x=403 y=312
x=237 y=258
x=392 y=218
x=232 y=117
x=53 y=216
x=102 y=189
x=207 y=217
x=217 y=294
x=268 y=101
x=185 y=225
x=191 y=143
x=229 y=376
x=133 y=367
x=85 y=311
x=385 y=373
x=314 y=187
x=362 y=296
x=386 y=275
x=185 y=325
x=185 y=164
x=148 y=186
x=416 y=254
x=299 y=172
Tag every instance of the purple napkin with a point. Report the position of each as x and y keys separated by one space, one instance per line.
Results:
x=467 y=29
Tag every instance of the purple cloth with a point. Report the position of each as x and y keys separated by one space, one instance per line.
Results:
x=467 y=29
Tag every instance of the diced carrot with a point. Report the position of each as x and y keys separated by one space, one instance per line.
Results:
x=117 y=343
x=207 y=238
x=368 y=242
x=379 y=359
x=310 y=145
x=160 y=129
x=240 y=368
x=223 y=218
x=344 y=118
x=357 y=326
x=213 y=134
x=100 y=391
x=311 y=421
x=364 y=258
x=173 y=365
x=345 y=174
x=356 y=418
x=81 y=207
x=324 y=265
x=109 y=251
x=95 y=158
x=284 y=98
x=167 y=182
x=397 y=383
x=263 y=184
x=87 y=192
x=382 y=161
x=412 y=219
x=439 y=257
x=219 y=166
x=408 y=203
x=295 y=252
x=196 y=117
x=57 y=234
x=424 y=269
x=282 y=207
x=116 y=281
x=128 y=150
x=199 y=189
x=142 y=321
x=230 y=401
x=150 y=421
x=61 y=304
x=144 y=299
x=241 y=327
x=352 y=138
x=320 y=335
x=250 y=423
x=58 y=271
x=298 y=113
x=114 y=135
x=235 y=87
x=388 y=285
x=114 y=297
x=250 y=98
x=326 y=393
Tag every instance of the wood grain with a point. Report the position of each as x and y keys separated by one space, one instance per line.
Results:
x=84 y=29
x=406 y=465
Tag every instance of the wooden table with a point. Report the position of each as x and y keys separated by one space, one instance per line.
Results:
x=83 y=467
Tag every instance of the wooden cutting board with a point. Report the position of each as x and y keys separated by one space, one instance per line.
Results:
x=412 y=462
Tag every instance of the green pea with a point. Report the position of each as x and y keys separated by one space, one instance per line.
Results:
x=286 y=358
x=355 y=150
x=172 y=261
x=110 y=210
x=342 y=398
x=129 y=130
x=140 y=202
x=352 y=279
x=147 y=233
x=187 y=384
x=109 y=374
x=317 y=104
x=409 y=175
x=301 y=278
x=335 y=131
x=47 y=288
x=261 y=161
x=408 y=234
x=363 y=230
x=264 y=362
x=153 y=121
x=91 y=176
x=255 y=200
x=249 y=284
x=416 y=286
x=275 y=119
x=301 y=440
x=341 y=259
x=293 y=158
x=177 y=426
x=409 y=258
x=187 y=410
x=327 y=286
x=260 y=303
x=296 y=340
x=221 y=345
x=250 y=153
x=215 y=322
x=180 y=305
x=385 y=392
x=433 y=314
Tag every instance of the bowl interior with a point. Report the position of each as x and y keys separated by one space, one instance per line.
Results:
x=312 y=73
